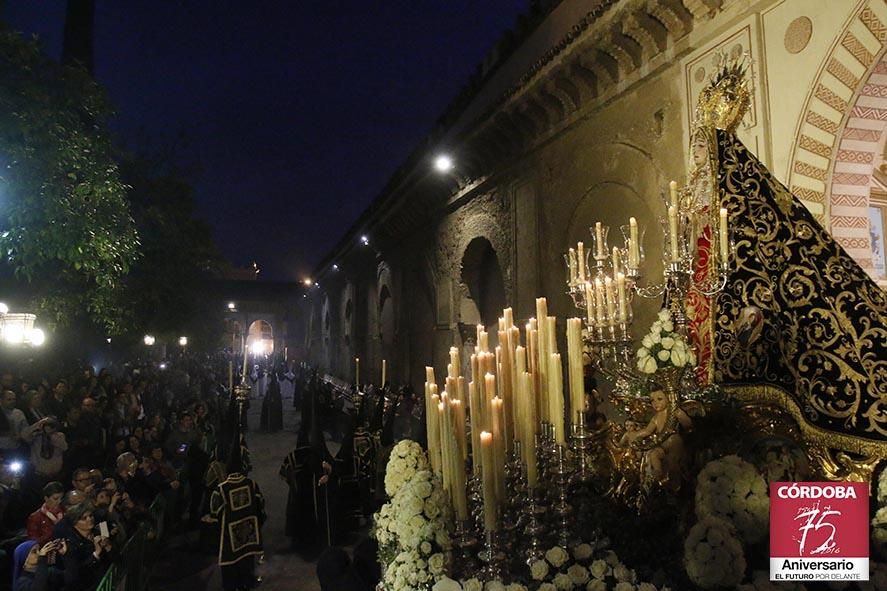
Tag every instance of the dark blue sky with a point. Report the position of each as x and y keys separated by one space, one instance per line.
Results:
x=295 y=112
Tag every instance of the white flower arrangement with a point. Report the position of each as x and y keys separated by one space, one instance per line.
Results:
x=406 y=459
x=412 y=528
x=713 y=555
x=732 y=489
x=877 y=577
x=662 y=347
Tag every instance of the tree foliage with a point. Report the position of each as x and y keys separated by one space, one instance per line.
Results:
x=65 y=222
x=166 y=291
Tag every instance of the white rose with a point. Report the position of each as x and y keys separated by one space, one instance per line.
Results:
x=596 y=585
x=663 y=355
x=655 y=337
x=436 y=563
x=547 y=587
x=648 y=365
x=600 y=569
x=425 y=547
x=643 y=352
x=656 y=328
x=663 y=315
x=623 y=586
x=623 y=573
x=539 y=570
x=494 y=586
x=678 y=358
x=563 y=582
x=423 y=489
x=647 y=342
x=447 y=584
x=667 y=326
x=472 y=585
x=578 y=574
x=557 y=556
x=516 y=587
x=646 y=587
x=583 y=552
x=667 y=342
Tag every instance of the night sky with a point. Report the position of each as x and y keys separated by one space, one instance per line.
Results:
x=294 y=113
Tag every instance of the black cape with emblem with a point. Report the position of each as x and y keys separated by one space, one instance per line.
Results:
x=238 y=505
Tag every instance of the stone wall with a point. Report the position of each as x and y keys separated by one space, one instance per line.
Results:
x=592 y=129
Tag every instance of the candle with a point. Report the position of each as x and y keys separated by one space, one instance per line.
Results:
x=484 y=342
x=599 y=237
x=542 y=358
x=722 y=234
x=497 y=413
x=357 y=372
x=617 y=260
x=580 y=256
x=600 y=301
x=673 y=194
x=623 y=301
x=444 y=439
x=673 y=232
x=429 y=375
x=528 y=449
x=245 y=360
x=433 y=425
x=590 y=303
x=611 y=300
x=634 y=245
x=475 y=410
x=556 y=392
x=571 y=264
x=575 y=366
x=384 y=368
x=489 y=486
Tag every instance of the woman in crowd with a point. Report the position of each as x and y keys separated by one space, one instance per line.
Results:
x=30 y=565
x=87 y=553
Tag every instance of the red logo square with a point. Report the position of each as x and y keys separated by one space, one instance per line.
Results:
x=819 y=528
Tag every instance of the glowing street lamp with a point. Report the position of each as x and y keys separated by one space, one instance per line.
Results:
x=149 y=340
x=307 y=282
x=183 y=341
x=18 y=329
x=232 y=306
x=443 y=163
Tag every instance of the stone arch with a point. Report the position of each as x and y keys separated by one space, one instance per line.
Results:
x=840 y=129
x=482 y=275
x=260 y=334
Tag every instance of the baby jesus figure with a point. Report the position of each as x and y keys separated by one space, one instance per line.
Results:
x=661 y=438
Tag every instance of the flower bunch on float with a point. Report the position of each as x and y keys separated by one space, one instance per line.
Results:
x=411 y=528
x=734 y=490
x=713 y=555
x=664 y=348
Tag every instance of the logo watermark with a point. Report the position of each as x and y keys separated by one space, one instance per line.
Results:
x=819 y=531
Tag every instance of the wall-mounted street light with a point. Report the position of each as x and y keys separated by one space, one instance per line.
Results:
x=307 y=282
x=232 y=306
x=149 y=340
x=443 y=163
x=365 y=240
x=183 y=341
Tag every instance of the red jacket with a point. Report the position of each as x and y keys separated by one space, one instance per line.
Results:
x=40 y=523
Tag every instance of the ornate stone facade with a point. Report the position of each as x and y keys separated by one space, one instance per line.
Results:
x=586 y=117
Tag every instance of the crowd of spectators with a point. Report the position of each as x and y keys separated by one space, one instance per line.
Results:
x=83 y=456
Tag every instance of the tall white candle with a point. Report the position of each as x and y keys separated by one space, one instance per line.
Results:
x=571 y=258
x=673 y=231
x=384 y=370
x=634 y=248
x=580 y=256
x=599 y=237
x=620 y=293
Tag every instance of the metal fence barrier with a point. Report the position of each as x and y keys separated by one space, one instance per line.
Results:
x=132 y=569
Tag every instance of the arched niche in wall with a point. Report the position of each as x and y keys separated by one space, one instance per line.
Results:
x=612 y=203
x=482 y=274
x=260 y=337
